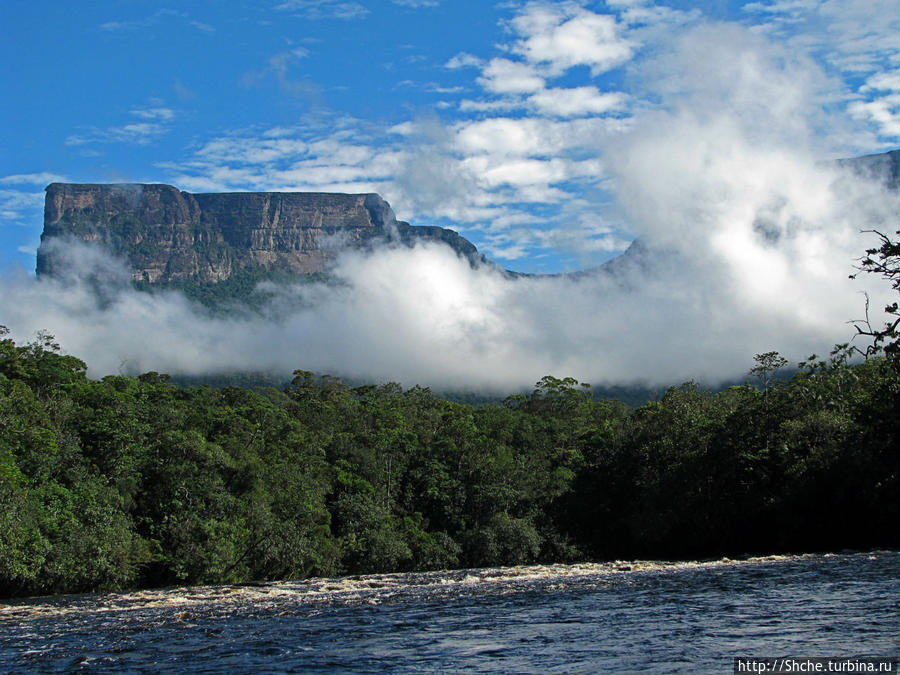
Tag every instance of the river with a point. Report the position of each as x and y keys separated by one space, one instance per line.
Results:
x=611 y=617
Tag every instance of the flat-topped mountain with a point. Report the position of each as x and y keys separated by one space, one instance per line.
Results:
x=220 y=245
x=168 y=235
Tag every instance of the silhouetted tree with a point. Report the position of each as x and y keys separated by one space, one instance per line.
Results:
x=883 y=260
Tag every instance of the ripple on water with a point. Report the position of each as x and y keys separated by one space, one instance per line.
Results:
x=617 y=617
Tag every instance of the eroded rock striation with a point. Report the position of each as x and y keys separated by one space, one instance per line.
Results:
x=168 y=235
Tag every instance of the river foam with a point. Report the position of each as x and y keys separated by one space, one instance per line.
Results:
x=370 y=588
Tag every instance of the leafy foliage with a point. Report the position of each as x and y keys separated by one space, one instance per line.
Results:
x=246 y=289
x=132 y=481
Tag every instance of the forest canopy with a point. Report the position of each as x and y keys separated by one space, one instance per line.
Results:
x=132 y=481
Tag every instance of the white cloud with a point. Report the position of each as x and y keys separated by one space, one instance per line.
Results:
x=245 y=150
x=325 y=9
x=771 y=89
x=43 y=178
x=576 y=101
x=113 y=26
x=526 y=173
x=22 y=207
x=155 y=121
x=885 y=81
x=16 y=200
x=533 y=137
x=279 y=67
x=883 y=111
x=432 y=87
x=563 y=36
x=205 y=27
x=464 y=60
x=503 y=105
x=552 y=39
x=136 y=133
x=535 y=141
x=791 y=8
x=162 y=114
x=502 y=76
x=482 y=175
x=501 y=136
x=750 y=240
x=416 y=3
x=154 y=19
x=649 y=17
x=30 y=249
x=279 y=159
x=853 y=35
x=714 y=159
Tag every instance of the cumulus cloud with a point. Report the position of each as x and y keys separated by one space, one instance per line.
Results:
x=883 y=108
x=502 y=76
x=576 y=101
x=559 y=37
x=858 y=35
x=719 y=70
x=463 y=60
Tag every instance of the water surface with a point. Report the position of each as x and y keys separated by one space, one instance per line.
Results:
x=612 y=617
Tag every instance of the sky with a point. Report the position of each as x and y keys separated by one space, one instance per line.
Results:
x=550 y=134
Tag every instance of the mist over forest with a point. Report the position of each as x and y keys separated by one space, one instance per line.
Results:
x=749 y=236
x=763 y=266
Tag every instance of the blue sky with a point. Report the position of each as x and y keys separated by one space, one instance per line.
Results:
x=505 y=121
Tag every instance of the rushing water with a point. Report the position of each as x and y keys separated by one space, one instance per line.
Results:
x=615 y=617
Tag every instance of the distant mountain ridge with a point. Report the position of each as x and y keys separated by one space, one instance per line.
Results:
x=884 y=167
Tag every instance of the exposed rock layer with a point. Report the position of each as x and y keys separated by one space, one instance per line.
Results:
x=168 y=235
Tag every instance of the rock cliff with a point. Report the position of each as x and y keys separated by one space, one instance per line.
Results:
x=169 y=236
x=197 y=241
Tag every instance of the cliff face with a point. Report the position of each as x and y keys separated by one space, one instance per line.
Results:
x=168 y=235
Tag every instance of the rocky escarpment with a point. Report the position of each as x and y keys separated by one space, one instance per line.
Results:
x=197 y=241
x=168 y=235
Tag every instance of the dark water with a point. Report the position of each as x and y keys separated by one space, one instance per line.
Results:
x=648 y=617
